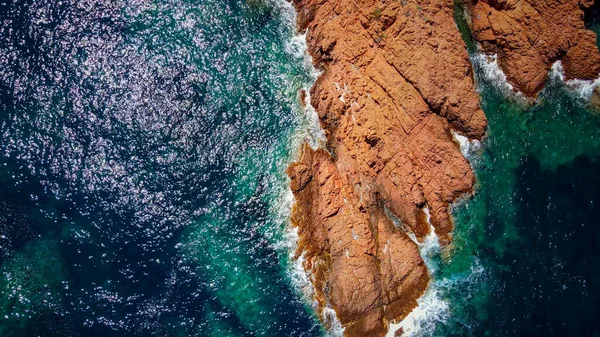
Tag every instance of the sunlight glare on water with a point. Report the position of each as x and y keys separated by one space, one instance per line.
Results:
x=143 y=152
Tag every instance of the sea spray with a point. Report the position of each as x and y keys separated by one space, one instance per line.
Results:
x=334 y=324
x=583 y=88
x=431 y=307
x=287 y=247
x=468 y=147
x=300 y=278
x=310 y=131
x=489 y=69
x=436 y=309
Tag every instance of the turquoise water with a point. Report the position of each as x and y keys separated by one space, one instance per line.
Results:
x=142 y=162
x=524 y=259
x=143 y=155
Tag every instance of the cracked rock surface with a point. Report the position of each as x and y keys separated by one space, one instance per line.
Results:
x=396 y=81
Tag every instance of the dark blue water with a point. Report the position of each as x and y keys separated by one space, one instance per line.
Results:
x=142 y=168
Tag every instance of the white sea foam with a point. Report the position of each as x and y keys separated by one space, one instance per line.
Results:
x=300 y=279
x=583 y=88
x=490 y=70
x=430 y=245
x=467 y=146
x=330 y=317
x=431 y=308
x=311 y=132
x=299 y=276
x=298 y=47
x=430 y=311
x=557 y=71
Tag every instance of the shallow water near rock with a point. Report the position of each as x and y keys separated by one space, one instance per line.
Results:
x=143 y=189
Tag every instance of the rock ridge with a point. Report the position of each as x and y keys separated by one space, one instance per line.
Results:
x=396 y=80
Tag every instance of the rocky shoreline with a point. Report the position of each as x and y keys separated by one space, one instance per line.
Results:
x=396 y=82
x=529 y=36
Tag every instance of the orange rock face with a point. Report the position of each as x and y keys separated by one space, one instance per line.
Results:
x=530 y=35
x=396 y=80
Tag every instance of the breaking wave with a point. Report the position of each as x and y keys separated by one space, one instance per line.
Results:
x=582 y=88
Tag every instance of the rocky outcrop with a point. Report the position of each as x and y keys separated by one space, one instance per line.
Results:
x=530 y=35
x=396 y=80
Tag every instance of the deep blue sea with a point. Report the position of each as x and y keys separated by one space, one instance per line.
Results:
x=143 y=190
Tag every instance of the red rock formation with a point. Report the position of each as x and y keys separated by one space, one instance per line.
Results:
x=396 y=79
x=530 y=35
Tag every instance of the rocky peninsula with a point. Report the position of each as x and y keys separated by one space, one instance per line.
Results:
x=396 y=83
x=396 y=80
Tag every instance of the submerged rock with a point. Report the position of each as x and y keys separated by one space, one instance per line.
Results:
x=396 y=81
